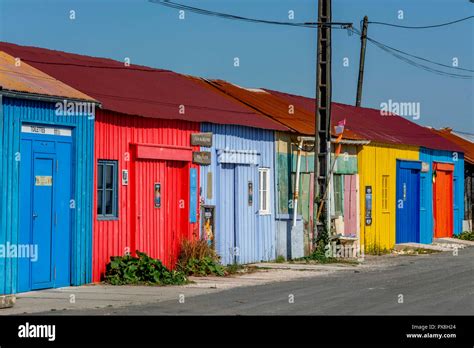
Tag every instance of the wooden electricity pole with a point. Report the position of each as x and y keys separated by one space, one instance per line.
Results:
x=363 y=43
x=322 y=120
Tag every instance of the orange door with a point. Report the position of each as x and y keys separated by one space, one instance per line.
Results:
x=443 y=200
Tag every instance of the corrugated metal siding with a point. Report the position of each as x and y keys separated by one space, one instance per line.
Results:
x=14 y=112
x=114 y=134
x=426 y=222
x=374 y=162
x=232 y=202
x=160 y=231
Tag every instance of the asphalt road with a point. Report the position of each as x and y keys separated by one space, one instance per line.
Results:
x=437 y=284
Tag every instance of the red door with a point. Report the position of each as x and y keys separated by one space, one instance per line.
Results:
x=443 y=199
x=161 y=204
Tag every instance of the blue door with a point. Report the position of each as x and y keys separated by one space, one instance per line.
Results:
x=42 y=216
x=46 y=204
x=408 y=202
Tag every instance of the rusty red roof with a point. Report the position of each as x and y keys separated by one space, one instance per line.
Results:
x=465 y=144
x=26 y=79
x=370 y=124
x=139 y=90
x=294 y=116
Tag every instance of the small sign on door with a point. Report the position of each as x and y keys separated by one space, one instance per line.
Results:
x=368 y=205
x=43 y=180
x=157 y=195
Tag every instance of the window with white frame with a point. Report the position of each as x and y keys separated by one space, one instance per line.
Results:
x=264 y=190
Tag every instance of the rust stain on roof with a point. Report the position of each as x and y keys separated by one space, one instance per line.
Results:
x=273 y=107
x=465 y=144
x=24 y=78
x=281 y=110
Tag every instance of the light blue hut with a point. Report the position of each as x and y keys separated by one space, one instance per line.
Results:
x=237 y=193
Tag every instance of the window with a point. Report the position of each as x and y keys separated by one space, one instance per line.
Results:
x=107 y=195
x=385 y=192
x=338 y=195
x=264 y=190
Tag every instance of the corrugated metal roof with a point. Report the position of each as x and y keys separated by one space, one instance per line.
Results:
x=295 y=116
x=139 y=90
x=267 y=104
x=26 y=79
x=370 y=124
x=465 y=144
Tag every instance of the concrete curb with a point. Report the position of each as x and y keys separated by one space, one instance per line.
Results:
x=305 y=267
x=454 y=241
x=412 y=246
x=7 y=301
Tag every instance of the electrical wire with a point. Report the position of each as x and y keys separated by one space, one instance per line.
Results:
x=422 y=27
x=398 y=54
x=417 y=57
x=246 y=19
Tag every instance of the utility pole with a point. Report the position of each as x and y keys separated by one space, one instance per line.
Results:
x=322 y=120
x=363 y=43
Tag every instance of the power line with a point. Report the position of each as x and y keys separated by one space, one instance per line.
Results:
x=417 y=57
x=423 y=27
x=419 y=65
x=398 y=54
x=201 y=11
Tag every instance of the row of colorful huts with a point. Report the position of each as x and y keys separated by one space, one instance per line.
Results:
x=102 y=158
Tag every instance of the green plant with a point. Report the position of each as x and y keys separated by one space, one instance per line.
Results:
x=198 y=258
x=376 y=250
x=280 y=259
x=203 y=267
x=466 y=235
x=141 y=270
x=319 y=256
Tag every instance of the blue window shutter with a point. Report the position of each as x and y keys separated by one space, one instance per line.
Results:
x=193 y=193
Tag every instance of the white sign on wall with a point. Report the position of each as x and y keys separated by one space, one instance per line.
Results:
x=46 y=130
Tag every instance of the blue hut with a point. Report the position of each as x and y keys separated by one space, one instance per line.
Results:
x=46 y=142
x=441 y=194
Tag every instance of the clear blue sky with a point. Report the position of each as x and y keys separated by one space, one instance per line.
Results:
x=275 y=57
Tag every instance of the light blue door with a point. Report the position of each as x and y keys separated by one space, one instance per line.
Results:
x=225 y=212
x=408 y=202
x=246 y=210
